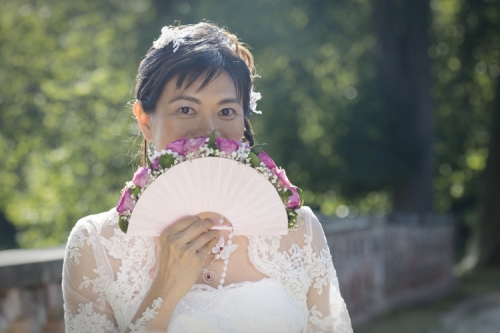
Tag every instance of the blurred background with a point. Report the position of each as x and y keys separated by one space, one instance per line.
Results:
x=374 y=107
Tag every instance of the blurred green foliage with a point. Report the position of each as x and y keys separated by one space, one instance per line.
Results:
x=67 y=70
x=466 y=69
x=67 y=73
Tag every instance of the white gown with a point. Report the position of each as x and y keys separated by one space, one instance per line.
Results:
x=106 y=274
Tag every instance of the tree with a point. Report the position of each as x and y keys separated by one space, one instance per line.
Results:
x=405 y=85
x=487 y=29
x=466 y=71
x=488 y=222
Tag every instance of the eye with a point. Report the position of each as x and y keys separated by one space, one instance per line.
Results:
x=227 y=112
x=185 y=110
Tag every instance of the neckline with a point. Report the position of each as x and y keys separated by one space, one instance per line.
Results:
x=235 y=285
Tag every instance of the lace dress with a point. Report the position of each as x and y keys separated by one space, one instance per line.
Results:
x=106 y=274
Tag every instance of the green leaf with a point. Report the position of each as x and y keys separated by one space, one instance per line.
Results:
x=211 y=140
x=254 y=159
x=257 y=148
x=123 y=223
x=284 y=196
x=166 y=161
x=135 y=190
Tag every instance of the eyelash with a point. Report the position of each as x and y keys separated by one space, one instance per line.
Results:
x=187 y=107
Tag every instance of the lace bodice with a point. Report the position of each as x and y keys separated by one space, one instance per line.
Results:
x=106 y=274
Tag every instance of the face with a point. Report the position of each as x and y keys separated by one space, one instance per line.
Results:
x=189 y=113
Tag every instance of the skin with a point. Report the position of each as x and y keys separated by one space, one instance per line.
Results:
x=184 y=245
x=190 y=113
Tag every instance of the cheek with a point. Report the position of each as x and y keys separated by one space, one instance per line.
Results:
x=164 y=131
x=234 y=130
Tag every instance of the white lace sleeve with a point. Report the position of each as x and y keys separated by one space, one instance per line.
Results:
x=86 y=278
x=83 y=284
x=149 y=314
x=327 y=309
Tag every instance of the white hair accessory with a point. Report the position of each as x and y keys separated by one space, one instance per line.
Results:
x=168 y=35
x=254 y=97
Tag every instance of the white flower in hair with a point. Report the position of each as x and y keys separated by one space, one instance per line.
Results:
x=168 y=35
x=254 y=97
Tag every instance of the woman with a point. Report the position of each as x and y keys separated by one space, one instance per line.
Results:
x=194 y=80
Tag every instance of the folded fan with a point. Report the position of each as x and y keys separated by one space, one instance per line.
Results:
x=212 y=184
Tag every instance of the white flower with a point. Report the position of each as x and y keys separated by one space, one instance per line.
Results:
x=168 y=35
x=254 y=97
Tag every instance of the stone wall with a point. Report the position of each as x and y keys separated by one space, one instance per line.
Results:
x=30 y=291
x=381 y=263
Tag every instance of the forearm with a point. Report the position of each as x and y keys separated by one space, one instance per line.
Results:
x=154 y=312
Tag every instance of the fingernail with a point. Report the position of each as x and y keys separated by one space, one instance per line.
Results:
x=211 y=219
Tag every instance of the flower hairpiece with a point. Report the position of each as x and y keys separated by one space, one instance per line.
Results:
x=183 y=150
x=168 y=35
x=254 y=97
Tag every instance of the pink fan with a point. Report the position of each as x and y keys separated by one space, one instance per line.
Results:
x=211 y=186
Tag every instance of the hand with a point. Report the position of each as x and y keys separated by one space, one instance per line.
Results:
x=183 y=247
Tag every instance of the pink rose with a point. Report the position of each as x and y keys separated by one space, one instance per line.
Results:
x=125 y=203
x=177 y=146
x=294 y=199
x=226 y=145
x=155 y=163
x=267 y=160
x=141 y=177
x=282 y=178
x=194 y=144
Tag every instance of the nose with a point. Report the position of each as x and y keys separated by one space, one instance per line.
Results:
x=206 y=126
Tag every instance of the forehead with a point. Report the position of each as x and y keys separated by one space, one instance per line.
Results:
x=220 y=83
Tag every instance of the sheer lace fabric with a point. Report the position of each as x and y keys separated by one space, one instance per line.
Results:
x=283 y=284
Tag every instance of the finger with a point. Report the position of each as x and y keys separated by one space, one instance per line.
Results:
x=202 y=240
x=180 y=224
x=194 y=230
x=207 y=248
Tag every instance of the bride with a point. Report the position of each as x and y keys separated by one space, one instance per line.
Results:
x=196 y=79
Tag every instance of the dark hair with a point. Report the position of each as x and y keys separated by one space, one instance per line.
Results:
x=204 y=49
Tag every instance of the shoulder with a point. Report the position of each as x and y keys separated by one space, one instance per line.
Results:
x=308 y=222
x=96 y=223
x=87 y=231
x=308 y=226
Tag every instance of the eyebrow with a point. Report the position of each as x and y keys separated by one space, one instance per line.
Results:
x=197 y=101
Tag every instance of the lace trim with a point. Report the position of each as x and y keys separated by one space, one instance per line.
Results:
x=291 y=267
x=298 y=269
x=86 y=320
x=147 y=315
x=316 y=319
x=76 y=241
x=137 y=256
x=205 y=287
x=98 y=285
x=321 y=265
